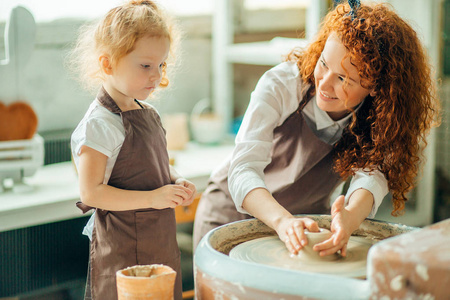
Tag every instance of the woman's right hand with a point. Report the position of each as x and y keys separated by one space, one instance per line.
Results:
x=169 y=196
x=290 y=230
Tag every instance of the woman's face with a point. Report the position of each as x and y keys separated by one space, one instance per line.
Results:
x=333 y=94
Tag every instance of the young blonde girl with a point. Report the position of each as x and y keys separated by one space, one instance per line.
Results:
x=120 y=150
x=357 y=102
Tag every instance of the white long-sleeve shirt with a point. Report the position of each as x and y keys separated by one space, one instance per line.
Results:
x=274 y=99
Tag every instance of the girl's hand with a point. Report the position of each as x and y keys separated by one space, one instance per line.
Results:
x=192 y=190
x=341 y=228
x=291 y=232
x=169 y=196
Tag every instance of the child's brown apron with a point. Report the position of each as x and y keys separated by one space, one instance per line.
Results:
x=122 y=239
x=300 y=177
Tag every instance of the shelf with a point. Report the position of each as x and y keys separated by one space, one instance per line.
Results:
x=54 y=192
x=55 y=187
x=226 y=52
x=263 y=53
x=196 y=161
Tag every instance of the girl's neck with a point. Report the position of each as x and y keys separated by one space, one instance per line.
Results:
x=124 y=102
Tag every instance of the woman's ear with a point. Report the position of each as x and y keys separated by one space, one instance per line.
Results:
x=105 y=64
x=372 y=93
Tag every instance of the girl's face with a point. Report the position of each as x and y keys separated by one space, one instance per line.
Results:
x=333 y=95
x=139 y=72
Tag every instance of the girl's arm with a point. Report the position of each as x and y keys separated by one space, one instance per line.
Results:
x=95 y=193
x=178 y=179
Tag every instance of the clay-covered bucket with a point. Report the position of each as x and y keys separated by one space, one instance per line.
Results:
x=145 y=282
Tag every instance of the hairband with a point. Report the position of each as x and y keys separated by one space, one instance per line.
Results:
x=354 y=6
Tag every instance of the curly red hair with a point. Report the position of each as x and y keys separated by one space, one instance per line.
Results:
x=389 y=130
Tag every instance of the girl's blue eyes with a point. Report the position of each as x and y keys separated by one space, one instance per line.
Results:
x=149 y=66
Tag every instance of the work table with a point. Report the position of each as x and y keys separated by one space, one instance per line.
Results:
x=54 y=188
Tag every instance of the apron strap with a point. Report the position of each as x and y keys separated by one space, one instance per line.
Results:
x=84 y=208
x=138 y=103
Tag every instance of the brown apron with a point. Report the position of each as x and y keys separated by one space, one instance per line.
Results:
x=300 y=177
x=122 y=239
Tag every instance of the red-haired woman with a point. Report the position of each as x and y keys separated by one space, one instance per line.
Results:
x=359 y=102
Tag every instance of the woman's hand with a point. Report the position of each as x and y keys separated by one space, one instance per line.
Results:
x=341 y=228
x=192 y=190
x=291 y=231
x=170 y=196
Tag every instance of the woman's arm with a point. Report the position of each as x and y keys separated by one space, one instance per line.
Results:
x=274 y=99
x=372 y=181
x=93 y=192
x=260 y=203
x=345 y=220
x=365 y=194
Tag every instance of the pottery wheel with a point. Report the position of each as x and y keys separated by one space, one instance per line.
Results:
x=271 y=251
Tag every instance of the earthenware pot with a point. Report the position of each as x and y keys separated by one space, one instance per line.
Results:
x=145 y=282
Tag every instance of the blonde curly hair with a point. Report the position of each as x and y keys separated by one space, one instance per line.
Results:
x=115 y=35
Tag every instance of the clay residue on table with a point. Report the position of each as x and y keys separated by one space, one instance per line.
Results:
x=226 y=246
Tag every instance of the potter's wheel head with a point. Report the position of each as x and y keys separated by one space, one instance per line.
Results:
x=271 y=251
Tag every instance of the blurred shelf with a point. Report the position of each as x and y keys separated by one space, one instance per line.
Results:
x=54 y=188
x=263 y=53
x=415 y=214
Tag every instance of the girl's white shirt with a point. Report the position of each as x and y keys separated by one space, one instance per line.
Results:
x=103 y=131
x=274 y=99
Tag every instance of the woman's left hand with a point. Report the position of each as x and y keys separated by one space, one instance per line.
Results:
x=186 y=183
x=341 y=229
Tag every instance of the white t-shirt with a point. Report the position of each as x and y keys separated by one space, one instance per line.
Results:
x=274 y=99
x=103 y=131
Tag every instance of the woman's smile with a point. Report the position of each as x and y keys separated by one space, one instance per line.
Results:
x=326 y=97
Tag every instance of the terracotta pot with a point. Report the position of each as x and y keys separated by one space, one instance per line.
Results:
x=145 y=282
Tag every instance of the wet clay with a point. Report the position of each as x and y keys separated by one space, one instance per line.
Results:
x=308 y=254
x=271 y=251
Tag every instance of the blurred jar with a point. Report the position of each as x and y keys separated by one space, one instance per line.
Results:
x=177 y=133
x=206 y=126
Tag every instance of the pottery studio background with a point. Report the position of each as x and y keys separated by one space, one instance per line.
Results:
x=42 y=252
